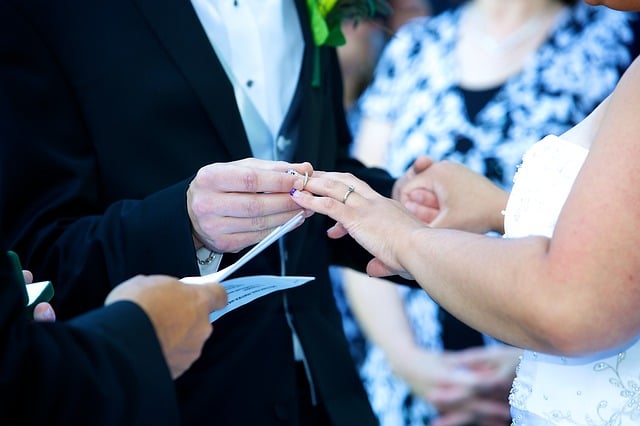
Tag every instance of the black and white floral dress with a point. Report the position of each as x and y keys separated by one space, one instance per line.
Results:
x=416 y=89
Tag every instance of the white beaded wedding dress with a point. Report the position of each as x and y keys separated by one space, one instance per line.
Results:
x=601 y=389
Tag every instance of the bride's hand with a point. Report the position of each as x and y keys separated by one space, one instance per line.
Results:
x=377 y=223
x=463 y=199
x=413 y=191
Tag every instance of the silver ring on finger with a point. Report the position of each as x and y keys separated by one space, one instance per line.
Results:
x=350 y=189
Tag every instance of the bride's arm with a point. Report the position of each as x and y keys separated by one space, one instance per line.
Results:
x=598 y=231
x=576 y=293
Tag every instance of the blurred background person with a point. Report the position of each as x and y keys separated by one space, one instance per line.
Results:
x=476 y=84
x=358 y=58
x=365 y=41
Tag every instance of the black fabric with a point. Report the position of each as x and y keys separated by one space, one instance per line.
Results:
x=118 y=103
x=59 y=373
x=312 y=413
x=439 y=6
x=476 y=100
x=456 y=335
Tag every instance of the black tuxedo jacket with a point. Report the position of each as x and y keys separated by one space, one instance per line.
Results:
x=108 y=109
x=59 y=374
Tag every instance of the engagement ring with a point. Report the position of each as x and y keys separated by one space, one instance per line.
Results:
x=350 y=189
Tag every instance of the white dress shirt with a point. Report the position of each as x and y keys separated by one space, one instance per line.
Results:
x=260 y=45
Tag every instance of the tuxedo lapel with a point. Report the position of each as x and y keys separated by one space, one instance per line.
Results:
x=178 y=28
x=194 y=56
x=307 y=137
x=305 y=25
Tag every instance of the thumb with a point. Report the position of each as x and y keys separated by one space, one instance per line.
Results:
x=215 y=295
x=376 y=268
x=421 y=164
x=44 y=312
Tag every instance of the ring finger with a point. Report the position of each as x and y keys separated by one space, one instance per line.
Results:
x=338 y=186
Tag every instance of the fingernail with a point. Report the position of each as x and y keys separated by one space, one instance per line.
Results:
x=293 y=191
x=44 y=312
x=49 y=314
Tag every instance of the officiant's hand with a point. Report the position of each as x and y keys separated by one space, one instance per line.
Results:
x=43 y=311
x=179 y=313
x=234 y=205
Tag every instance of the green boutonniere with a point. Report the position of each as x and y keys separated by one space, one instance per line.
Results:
x=327 y=15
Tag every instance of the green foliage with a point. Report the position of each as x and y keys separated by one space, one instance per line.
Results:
x=327 y=16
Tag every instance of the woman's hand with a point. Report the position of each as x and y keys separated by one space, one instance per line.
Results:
x=484 y=399
x=449 y=195
x=372 y=220
x=466 y=387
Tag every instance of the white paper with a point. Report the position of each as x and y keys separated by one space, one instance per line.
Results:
x=243 y=290
x=219 y=276
x=35 y=289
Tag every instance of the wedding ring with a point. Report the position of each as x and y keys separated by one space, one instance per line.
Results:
x=350 y=189
x=294 y=173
